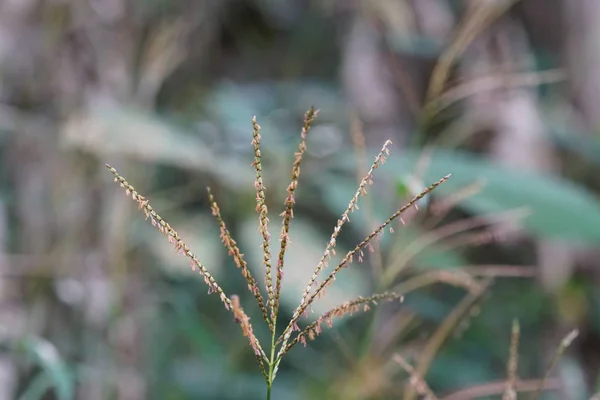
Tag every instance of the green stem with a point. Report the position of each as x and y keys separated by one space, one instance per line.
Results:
x=271 y=362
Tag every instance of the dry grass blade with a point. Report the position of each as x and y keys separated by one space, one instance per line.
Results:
x=437 y=235
x=238 y=257
x=489 y=83
x=416 y=381
x=347 y=260
x=442 y=207
x=480 y=16
x=456 y=279
x=510 y=391
x=499 y=270
x=165 y=51
x=496 y=388
x=566 y=342
x=441 y=334
x=288 y=214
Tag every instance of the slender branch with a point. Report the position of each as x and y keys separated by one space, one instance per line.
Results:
x=510 y=391
x=566 y=342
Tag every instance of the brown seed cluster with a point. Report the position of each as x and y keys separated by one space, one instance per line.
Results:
x=288 y=214
x=347 y=308
x=262 y=210
x=313 y=291
x=163 y=227
x=238 y=257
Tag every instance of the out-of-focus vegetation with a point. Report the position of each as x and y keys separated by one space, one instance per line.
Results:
x=501 y=94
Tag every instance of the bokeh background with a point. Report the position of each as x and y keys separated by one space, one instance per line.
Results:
x=95 y=304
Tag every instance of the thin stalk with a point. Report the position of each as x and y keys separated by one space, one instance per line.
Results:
x=566 y=342
x=271 y=364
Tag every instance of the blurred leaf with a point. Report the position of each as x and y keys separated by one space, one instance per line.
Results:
x=277 y=105
x=110 y=130
x=430 y=256
x=202 y=381
x=559 y=209
x=415 y=45
x=427 y=307
x=581 y=143
x=46 y=356
x=402 y=188
x=37 y=388
x=191 y=324
x=472 y=371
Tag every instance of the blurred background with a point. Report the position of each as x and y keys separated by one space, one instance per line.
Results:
x=503 y=94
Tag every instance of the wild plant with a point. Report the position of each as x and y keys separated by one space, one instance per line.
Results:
x=269 y=360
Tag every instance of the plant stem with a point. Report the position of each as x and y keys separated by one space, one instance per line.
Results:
x=271 y=362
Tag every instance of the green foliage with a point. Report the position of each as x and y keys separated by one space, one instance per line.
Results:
x=558 y=208
x=55 y=373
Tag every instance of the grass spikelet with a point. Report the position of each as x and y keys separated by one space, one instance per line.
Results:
x=288 y=214
x=172 y=236
x=261 y=209
x=353 y=205
x=244 y=321
x=347 y=260
x=238 y=257
x=347 y=308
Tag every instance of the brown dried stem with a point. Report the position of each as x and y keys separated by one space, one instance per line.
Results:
x=510 y=392
x=496 y=388
x=442 y=333
x=437 y=235
x=566 y=342
x=415 y=380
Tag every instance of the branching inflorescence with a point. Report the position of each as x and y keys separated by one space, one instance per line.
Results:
x=269 y=362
